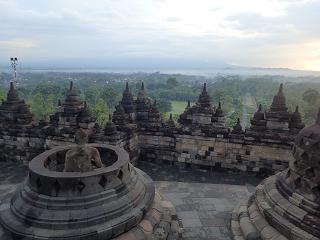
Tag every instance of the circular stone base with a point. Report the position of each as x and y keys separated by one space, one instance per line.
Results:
x=160 y=223
x=118 y=201
x=267 y=214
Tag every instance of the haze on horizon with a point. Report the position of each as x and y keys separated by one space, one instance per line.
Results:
x=161 y=33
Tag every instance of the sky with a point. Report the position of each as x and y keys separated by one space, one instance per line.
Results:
x=161 y=33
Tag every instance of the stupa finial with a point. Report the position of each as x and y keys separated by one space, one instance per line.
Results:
x=280 y=88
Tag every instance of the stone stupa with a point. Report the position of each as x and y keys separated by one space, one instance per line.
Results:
x=64 y=197
x=286 y=206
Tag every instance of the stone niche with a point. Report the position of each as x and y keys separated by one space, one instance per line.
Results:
x=115 y=201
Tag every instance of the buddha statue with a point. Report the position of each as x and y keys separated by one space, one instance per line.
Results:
x=82 y=158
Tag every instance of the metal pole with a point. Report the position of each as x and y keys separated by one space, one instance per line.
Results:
x=14 y=65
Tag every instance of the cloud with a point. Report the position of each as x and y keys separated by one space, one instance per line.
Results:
x=121 y=29
x=107 y=14
x=299 y=17
x=172 y=19
x=291 y=1
x=215 y=9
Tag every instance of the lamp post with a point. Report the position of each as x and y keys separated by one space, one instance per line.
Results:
x=14 y=65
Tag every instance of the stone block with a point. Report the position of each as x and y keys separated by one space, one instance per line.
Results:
x=296 y=212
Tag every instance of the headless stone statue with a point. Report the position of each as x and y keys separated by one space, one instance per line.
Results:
x=80 y=158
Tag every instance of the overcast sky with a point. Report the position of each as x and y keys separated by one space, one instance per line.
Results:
x=161 y=33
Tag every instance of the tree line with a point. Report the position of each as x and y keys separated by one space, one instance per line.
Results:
x=43 y=93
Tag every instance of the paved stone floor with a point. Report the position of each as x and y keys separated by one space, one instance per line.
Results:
x=204 y=200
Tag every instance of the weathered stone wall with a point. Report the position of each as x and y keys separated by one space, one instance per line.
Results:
x=24 y=147
x=242 y=154
x=20 y=149
x=235 y=152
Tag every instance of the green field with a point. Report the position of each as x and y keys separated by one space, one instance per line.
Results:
x=177 y=108
x=248 y=99
x=250 y=110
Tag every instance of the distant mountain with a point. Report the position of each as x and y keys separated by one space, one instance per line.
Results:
x=259 y=68
x=228 y=68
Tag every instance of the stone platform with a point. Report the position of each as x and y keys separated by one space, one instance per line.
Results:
x=204 y=200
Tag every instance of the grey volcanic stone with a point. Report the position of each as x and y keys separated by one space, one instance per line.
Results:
x=81 y=213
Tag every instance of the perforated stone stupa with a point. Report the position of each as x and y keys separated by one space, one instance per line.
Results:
x=286 y=205
x=114 y=201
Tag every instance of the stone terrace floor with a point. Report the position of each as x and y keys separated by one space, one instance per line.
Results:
x=204 y=200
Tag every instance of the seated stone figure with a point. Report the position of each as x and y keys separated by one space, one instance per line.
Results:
x=80 y=158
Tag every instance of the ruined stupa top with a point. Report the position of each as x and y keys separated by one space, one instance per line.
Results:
x=155 y=108
x=110 y=128
x=204 y=98
x=85 y=111
x=237 y=128
x=279 y=101
x=72 y=95
x=170 y=122
x=296 y=116
x=12 y=94
x=258 y=115
x=219 y=111
x=142 y=94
